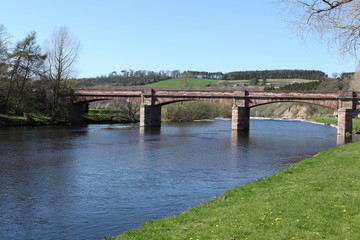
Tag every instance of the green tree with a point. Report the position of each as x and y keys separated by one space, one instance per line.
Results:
x=194 y=110
x=25 y=63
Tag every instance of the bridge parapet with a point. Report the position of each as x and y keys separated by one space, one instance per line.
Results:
x=294 y=95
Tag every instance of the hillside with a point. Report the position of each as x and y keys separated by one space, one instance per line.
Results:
x=200 y=82
x=196 y=78
x=184 y=83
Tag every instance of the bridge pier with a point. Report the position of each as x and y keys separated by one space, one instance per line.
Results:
x=77 y=113
x=240 y=118
x=150 y=116
x=345 y=121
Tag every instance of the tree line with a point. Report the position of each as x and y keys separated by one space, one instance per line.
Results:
x=35 y=79
x=306 y=86
x=345 y=82
x=264 y=74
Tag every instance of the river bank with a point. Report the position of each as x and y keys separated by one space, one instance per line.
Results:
x=33 y=120
x=43 y=120
x=317 y=198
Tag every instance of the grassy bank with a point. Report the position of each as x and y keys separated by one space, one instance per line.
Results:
x=333 y=121
x=318 y=198
x=33 y=120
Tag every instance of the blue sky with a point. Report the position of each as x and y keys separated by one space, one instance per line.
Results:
x=211 y=35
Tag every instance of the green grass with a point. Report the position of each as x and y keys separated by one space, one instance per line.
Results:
x=176 y=82
x=318 y=198
x=11 y=120
x=333 y=121
x=36 y=119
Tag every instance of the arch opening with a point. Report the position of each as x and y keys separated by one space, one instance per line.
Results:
x=190 y=110
x=111 y=111
x=294 y=110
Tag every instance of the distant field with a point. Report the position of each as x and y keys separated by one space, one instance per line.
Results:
x=290 y=80
x=298 y=80
x=178 y=82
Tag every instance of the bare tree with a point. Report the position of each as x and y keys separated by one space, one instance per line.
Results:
x=336 y=21
x=185 y=81
x=129 y=112
x=3 y=42
x=354 y=82
x=62 y=50
x=3 y=51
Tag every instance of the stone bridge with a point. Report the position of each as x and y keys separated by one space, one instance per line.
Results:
x=151 y=100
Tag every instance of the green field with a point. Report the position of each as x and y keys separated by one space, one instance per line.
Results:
x=180 y=83
x=318 y=198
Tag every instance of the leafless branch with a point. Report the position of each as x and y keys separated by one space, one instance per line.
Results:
x=338 y=22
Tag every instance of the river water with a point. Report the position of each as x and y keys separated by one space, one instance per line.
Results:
x=87 y=182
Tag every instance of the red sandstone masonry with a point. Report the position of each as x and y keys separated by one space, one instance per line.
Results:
x=242 y=100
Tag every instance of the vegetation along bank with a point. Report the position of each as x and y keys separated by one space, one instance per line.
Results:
x=317 y=198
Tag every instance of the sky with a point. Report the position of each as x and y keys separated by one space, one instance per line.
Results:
x=199 y=35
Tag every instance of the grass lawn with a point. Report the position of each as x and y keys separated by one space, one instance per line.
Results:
x=318 y=198
x=176 y=82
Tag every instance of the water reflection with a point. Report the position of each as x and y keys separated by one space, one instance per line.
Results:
x=239 y=138
x=343 y=139
x=143 y=131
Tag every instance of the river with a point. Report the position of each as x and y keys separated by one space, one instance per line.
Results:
x=91 y=181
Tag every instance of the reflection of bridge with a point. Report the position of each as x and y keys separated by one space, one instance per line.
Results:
x=241 y=101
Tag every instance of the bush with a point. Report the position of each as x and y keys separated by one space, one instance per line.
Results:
x=190 y=111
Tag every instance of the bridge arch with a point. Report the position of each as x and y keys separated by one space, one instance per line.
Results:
x=218 y=101
x=85 y=100
x=80 y=105
x=329 y=104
